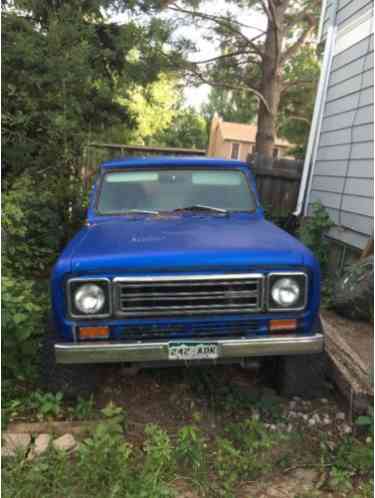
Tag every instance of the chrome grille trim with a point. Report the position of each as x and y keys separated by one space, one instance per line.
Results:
x=167 y=295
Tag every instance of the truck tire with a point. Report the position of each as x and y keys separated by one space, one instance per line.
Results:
x=302 y=375
x=71 y=380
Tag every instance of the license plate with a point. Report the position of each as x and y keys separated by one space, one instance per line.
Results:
x=193 y=351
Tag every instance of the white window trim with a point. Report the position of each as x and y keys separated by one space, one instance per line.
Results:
x=239 y=150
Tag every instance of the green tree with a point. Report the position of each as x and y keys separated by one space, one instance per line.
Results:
x=187 y=130
x=232 y=106
x=251 y=59
x=298 y=99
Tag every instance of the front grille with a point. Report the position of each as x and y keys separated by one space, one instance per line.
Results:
x=188 y=295
x=238 y=328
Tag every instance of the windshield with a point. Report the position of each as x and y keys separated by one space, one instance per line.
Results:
x=170 y=190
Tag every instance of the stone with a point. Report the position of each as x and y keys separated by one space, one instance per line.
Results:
x=274 y=492
x=346 y=429
x=64 y=443
x=327 y=420
x=340 y=416
x=312 y=422
x=14 y=443
x=331 y=445
x=324 y=401
x=292 y=404
x=41 y=445
x=316 y=418
x=306 y=475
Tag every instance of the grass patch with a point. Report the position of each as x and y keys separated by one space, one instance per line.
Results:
x=108 y=464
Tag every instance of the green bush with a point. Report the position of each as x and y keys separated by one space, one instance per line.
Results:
x=32 y=227
x=312 y=231
x=22 y=310
x=37 y=218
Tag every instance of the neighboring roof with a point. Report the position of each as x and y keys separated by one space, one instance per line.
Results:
x=171 y=161
x=244 y=133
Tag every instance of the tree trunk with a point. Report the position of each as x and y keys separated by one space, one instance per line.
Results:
x=270 y=86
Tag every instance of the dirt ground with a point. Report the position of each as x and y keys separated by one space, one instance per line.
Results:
x=215 y=397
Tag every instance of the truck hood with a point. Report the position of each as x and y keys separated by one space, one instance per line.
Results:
x=183 y=243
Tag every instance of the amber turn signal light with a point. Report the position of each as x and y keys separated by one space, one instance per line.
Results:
x=93 y=332
x=280 y=325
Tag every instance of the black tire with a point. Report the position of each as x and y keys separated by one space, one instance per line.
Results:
x=302 y=375
x=72 y=380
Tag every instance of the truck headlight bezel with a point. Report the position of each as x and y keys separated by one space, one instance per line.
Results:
x=75 y=285
x=295 y=278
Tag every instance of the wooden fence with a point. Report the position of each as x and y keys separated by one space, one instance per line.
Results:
x=277 y=183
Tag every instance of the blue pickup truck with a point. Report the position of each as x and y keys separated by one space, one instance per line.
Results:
x=176 y=265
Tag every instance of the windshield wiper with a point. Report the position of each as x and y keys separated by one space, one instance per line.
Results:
x=140 y=211
x=201 y=207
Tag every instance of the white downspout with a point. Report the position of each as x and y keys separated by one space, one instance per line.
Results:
x=316 y=122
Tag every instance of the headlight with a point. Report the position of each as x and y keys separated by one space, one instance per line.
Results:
x=287 y=291
x=89 y=299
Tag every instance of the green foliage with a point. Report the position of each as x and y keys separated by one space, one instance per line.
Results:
x=158 y=451
x=106 y=464
x=30 y=248
x=31 y=245
x=46 y=405
x=105 y=457
x=312 y=231
x=84 y=409
x=22 y=311
x=232 y=106
x=190 y=448
x=298 y=100
x=187 y=130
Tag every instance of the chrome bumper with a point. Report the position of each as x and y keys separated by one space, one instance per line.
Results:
x=107 y=352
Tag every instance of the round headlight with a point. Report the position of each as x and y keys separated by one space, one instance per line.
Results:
x=285 y=292
x=89 y=299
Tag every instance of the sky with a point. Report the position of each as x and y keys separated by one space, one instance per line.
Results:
x=196 y=96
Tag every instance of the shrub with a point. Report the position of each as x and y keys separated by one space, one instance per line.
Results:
x=32 y=227
x=22 y=311
x=312 y=230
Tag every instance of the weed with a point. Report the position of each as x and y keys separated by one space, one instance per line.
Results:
x=228 y=465
x=312 y=232
x=190 y=449
x=340 y=479
x=366 y=422
x=46 y=405
x=158 y=451
x=105 y=457
x=84 y=409
x=115 y=417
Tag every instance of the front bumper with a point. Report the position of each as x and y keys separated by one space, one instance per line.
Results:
x=111 y=352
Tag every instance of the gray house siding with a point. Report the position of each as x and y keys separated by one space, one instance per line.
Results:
x=342 y=176
x=349 y=10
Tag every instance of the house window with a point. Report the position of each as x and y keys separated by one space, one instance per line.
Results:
x=275 y=153
x=235 y=151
